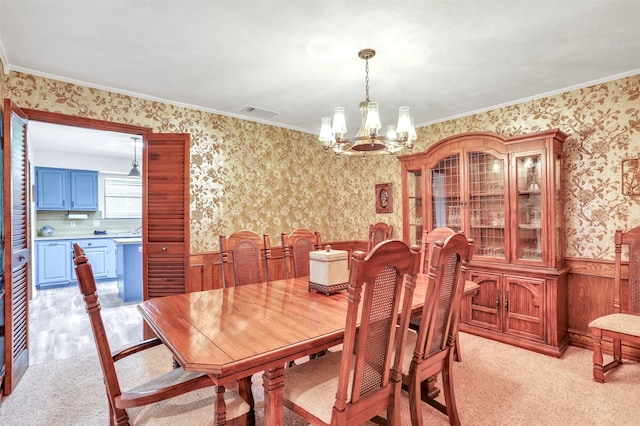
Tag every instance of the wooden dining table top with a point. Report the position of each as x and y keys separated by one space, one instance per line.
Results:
x=235 y=332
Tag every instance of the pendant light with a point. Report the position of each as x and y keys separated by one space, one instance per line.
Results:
x=134 y=172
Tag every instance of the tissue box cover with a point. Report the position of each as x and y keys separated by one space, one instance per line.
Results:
x=329 y=270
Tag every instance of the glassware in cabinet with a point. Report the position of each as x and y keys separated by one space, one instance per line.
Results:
x=486 y=177
x=446 y=207
x=529 y=206
x=415 y=219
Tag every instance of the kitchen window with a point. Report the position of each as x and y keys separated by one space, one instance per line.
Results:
x=122 y=197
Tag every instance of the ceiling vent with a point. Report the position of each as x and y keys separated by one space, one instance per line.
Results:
x=258 y=112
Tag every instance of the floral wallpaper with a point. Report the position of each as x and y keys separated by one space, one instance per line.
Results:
x=244 y=175
x=603 y=127
x=273 y=180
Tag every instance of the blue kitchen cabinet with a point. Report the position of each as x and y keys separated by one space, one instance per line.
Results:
x=129 y=269
x=101 y=254
x=66 y=189
x=53 y=260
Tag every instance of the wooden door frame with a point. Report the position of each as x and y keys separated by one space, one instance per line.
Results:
x=68 y=120
x=85 y=122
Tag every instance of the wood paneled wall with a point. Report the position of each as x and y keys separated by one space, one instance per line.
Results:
x=205 y=271
x=591 y=296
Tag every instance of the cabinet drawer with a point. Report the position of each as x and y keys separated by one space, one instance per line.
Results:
x=93 y=243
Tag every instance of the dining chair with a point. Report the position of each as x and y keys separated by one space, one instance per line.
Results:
x=245 y=257
x=623 y=325
x=296 y=247
x=428 y=239
x=358 y=383
x=430 y=349
x=379 y=232
x=175 y=397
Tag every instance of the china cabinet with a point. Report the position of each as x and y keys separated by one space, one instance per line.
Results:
x=505 y=194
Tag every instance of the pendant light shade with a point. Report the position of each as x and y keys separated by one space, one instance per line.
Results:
x=134 y=172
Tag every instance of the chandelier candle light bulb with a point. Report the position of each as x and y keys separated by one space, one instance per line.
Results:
x=367 y=139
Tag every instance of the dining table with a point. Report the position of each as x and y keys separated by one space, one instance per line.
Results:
x=235 y=332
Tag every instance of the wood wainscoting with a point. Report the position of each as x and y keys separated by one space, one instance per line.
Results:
x=205 y=272
x=590 y=297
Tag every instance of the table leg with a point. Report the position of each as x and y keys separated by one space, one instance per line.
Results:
x=273 y=384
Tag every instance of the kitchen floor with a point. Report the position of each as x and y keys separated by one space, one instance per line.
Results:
x=59 y=327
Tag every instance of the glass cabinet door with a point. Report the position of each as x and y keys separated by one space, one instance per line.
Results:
x=445 y=194
x=414 y=190
x=529 y=215
x=486 y=204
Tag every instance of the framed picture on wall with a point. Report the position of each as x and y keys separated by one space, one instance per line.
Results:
x=384 y=201
x=631 y=177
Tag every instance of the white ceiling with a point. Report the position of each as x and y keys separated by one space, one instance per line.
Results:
x=299 y=59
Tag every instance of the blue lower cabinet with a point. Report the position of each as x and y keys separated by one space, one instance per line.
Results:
x=99 y=252
x=129 y=271
x=53 y=260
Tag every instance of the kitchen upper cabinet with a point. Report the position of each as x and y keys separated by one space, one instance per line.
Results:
x=506 y=195
x=66 y=189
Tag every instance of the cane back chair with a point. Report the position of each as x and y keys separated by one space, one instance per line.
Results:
x=430 y=349
x=358 y=383
x=296 y=247
x=379 y=232
x=175 y=397
x=245 y=257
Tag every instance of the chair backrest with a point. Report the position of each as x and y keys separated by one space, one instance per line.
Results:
x=245 y=257
x=87 y=285
x=376 y=283
x=296 y=247
x=441 y=310
x=428 y=238
x=631 y=239
x=379 y=232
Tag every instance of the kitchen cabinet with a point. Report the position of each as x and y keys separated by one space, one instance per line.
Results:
x=55 y=266
x=53 y=263
x=101 y=253
x=66 y=189
x=129 y=269
x=506 y=195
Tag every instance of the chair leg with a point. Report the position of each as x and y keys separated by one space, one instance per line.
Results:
x=415 y=400
x=598 y=367
x=617 y=350
x=393 y=412
x=449 y=395
x=244 y=390
x=458 y=354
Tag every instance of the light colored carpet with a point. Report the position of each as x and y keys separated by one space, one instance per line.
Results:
x=496 y=384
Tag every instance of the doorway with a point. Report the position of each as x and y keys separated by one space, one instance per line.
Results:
x=58 y=325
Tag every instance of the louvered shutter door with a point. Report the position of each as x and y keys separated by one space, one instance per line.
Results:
x=166 y=214
x=16 y=246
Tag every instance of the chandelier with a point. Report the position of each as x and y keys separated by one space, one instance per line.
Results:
x=368 y=140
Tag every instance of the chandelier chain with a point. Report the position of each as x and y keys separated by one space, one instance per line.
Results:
x=366 y=81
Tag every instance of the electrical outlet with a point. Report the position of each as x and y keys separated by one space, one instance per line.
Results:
x=72 y=224
x=96 y=223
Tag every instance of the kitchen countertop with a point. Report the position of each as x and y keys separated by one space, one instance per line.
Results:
x=130 y=240
x=121 y=235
